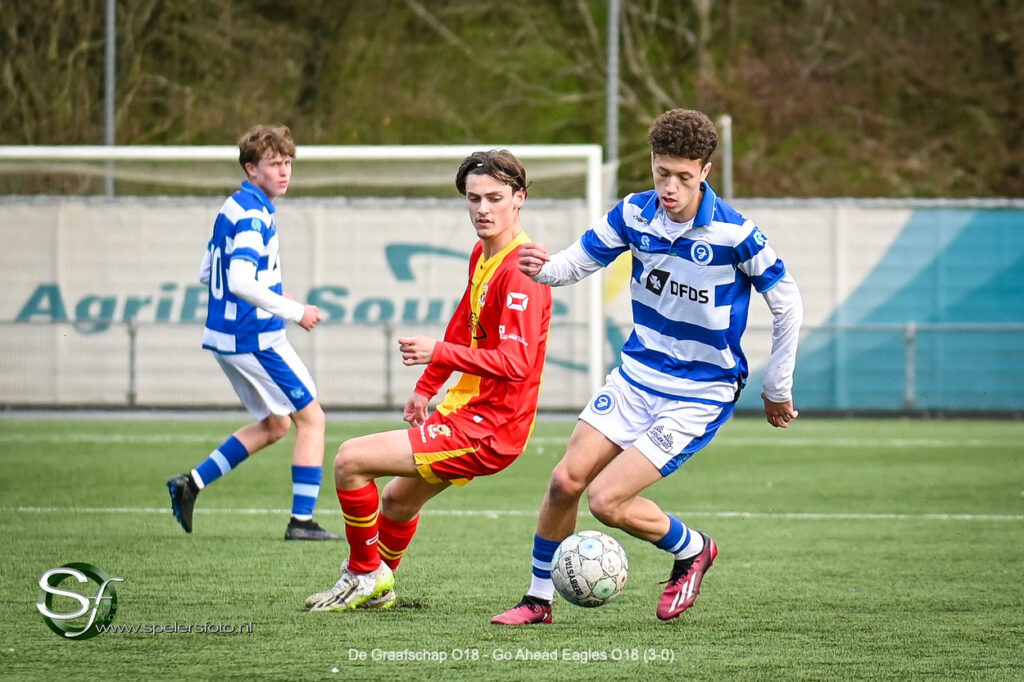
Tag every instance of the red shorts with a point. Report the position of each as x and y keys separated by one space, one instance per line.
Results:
x=444 y=453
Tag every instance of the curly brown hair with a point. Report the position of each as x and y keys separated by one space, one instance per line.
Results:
x=500 y=164
x=262 y=141
x=684 y=133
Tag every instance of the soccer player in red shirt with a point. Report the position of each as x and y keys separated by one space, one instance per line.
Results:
x=497 y=338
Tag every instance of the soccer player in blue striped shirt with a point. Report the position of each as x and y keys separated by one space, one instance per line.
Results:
x=245 y=330
x=695 y=260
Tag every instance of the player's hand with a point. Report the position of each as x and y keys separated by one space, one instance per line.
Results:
x=416 y=410
x=416 y=350
x=311 y=317
x=779 y=414
x=532 y=258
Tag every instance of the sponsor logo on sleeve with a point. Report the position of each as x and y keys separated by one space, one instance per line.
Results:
x=516 y=301
x=503 y=334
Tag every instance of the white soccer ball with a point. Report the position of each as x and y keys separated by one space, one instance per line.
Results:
x=589 y=568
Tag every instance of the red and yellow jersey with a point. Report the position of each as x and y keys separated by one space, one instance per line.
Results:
x=497 y=338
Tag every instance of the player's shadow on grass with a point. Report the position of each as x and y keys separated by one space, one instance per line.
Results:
x=413 y=604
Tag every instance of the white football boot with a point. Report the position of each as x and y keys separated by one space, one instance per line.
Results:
x=354 y=589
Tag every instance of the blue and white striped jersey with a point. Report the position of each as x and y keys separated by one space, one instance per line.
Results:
x=690 y=291
x=244 y=228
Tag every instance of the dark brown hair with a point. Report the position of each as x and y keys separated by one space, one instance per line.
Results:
x=683 y=133
x=262 y=141
x=500 y=164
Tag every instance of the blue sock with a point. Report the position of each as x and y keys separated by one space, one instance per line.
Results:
x=543 y=552
x=305 y=490
x=678 y=538
x=229 y=455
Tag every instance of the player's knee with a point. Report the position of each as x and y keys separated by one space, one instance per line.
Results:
x=275 y=428
x=396 y=508
x=346 y=462
x=311 y=417
x=605 y=507
x=564 y=487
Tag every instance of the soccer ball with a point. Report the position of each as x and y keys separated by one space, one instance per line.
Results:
x=589 y=568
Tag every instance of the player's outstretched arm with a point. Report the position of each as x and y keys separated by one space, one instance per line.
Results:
x=568 y=266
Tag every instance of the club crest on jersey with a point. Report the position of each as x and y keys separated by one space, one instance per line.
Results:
x=701 y=252
x=517 y=301
x=603 y=403
x=656 y=281
x=759 y=237
x=660 y=438
x=645 y=243
x=483 y=296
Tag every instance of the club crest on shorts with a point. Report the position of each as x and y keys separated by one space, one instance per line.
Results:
x=603 y=403
x=435 y=430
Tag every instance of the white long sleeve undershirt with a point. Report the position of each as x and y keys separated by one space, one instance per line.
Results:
x=205 y=268
x=243 y=283
x=787 y=315
x=568 y=266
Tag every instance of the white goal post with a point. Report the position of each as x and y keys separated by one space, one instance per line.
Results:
x=61 y=158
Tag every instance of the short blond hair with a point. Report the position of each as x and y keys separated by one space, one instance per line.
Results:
x=261 y=141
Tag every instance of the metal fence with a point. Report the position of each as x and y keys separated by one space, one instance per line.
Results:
x=913 y=367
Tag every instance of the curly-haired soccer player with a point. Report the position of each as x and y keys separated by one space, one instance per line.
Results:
x=694 y=262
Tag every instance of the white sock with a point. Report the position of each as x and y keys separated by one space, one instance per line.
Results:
x=542 y=588
x=692 y=548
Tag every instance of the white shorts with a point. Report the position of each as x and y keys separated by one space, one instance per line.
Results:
x=270 y=381
x=667 y=431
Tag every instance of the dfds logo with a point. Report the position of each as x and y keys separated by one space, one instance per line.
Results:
x=101 y=608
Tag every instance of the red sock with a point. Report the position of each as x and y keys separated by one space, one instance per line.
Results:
x=395 y=536
x=360 y=509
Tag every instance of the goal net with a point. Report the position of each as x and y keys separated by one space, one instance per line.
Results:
x=104 y=245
